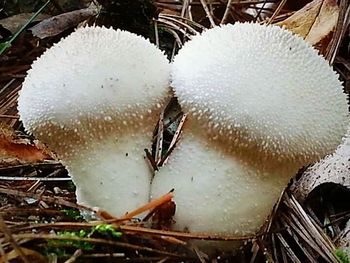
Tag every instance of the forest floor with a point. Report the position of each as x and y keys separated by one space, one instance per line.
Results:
x=40 y=220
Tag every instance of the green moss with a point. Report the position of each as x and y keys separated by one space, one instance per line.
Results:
x=71 y=243
x=342 y=256
x=72 y=214
x=107 y=230
x=63 y=248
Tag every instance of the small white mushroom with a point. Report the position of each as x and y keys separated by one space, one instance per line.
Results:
x=261 y=103
x=95 y=98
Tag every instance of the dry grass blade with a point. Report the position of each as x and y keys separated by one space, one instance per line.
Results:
x=190 y=22
x=9 y=116
x=75 y=256
x=3 y=254
x=315 y=232
x=183 y=24
x=293 y=223
x=58 y=225
x=276 y=12
x=173 y=240
x=115 y=255
x=159 y=143
x=340 y=30
x=7 y=233
x=156 y=34
x=44 y=179
x=266 y=228
x=151 y=205
x=203 y=258
x=174 y=26
x=151 y=159
x=174 y=139
x=260 y=9
x=28 y=237
x=266 y=253
x=207 y=11
x=292 y=227
x=13 y=211
x=303 y=232
x=192 y=235
x=43 y=165
x=274 y=247
x=49 y=199
x=8 y=101
x=178 y=41
x=288 y=249
x=227 y=11
x=274 y=212
x=129 y=229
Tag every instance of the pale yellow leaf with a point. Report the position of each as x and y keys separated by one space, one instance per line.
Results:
x=315 y=21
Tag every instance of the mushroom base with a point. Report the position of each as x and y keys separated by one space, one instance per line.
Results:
x=113 y=174
x=215 y=191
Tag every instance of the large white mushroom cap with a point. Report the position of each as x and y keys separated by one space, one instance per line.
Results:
x=94 y=98
x=97 y=72
x=263 y=89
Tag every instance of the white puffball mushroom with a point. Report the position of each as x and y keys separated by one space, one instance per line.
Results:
x=94 y=99
x=261 y=103
x=262 y=89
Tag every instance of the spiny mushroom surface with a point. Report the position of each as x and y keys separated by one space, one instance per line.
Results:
x=264 y=90
x=260 y=102
x=94 y=98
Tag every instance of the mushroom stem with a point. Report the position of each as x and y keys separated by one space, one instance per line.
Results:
x=111 y=169
x=121 y=173
x=236 y=196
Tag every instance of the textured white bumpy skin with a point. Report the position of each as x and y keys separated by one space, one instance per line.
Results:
x=94 y=98
x=263 y=89
x=214 y=190
x=94 y=72
x=261 y=103
x=117 y=176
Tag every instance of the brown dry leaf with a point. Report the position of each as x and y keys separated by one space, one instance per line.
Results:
x=14 y=23
x=19 y=148
x=163 y=215
x=314 y=22
x=168 y=11
x=32 y=256
x=57 y=24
